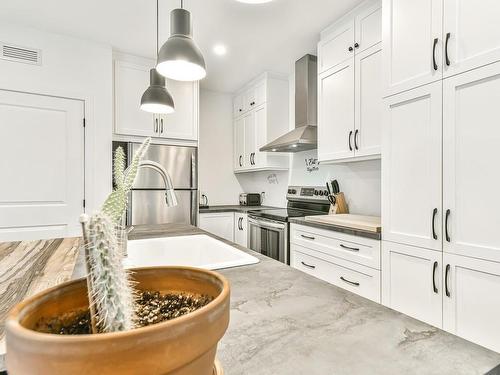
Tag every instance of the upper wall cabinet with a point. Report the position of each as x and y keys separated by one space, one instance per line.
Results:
x=263 y=118
x=131 y=78
x=427 y=39
x=350 y=87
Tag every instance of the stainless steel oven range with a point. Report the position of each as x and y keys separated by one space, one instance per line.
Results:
x=268 y=230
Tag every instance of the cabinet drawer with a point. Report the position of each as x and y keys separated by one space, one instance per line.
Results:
x=347 y=275
x=364 y=251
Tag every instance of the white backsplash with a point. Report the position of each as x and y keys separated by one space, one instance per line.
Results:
x=273 y=183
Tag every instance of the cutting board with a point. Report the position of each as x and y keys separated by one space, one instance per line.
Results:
x=367 y=223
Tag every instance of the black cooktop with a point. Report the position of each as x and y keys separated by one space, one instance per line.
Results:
x=283 y=214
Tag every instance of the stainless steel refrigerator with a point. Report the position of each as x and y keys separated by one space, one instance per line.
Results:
x=147 y=200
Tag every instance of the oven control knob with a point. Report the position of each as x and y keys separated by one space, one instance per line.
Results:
x=321 y=192
x=325 y=192
x=294 y=191
x=316 y=192
x=289 y=191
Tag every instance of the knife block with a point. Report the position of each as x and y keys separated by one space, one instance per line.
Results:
x=340 y=206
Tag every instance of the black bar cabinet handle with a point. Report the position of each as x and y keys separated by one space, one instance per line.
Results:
x=434 y=63
x=308 y=265
x=348 y=281
x=434 y=268
x=349 y=248
x=446 y=225
x=241 y=165
x=161 y=126
x=434 y=213
x=447 y=58
x=350 y=139
x=308 y=237
x=156 y=125
x=448 y=294
x=356 y=139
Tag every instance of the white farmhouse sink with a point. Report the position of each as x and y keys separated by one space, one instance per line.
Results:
x=195 y=251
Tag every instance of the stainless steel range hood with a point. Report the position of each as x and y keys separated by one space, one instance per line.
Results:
x=305 y=135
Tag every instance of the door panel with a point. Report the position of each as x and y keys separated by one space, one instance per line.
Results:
x=411 y=171
x=179 y=162
x=411 y=281
x=471 y=178
x=334 y=48
x=474 y=34
x=250 y=139
x=368 y=103
x=221 y=224
x=369 y=27
x=473 y=306
x=336 y=113
x=260 y=158
x=42 y=166
x=240 y=229
x=409 y=28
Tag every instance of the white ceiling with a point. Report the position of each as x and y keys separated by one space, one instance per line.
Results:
x=258 y=37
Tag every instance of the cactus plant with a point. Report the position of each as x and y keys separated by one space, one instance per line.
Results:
x=111 y=293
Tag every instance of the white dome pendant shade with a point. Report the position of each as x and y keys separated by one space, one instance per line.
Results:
x=156 y=98
x=180 y=58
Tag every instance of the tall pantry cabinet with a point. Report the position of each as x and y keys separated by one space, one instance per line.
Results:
x=441 y=248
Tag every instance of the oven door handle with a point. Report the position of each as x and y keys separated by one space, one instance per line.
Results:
x=266 y=223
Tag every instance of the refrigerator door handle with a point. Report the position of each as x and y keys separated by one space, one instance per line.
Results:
x=194 y=207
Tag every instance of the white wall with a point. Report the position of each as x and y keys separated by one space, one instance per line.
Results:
x=71 y=68
x=216 y=177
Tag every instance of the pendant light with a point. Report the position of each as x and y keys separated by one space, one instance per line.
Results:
x=156 y=98
x=180 y=58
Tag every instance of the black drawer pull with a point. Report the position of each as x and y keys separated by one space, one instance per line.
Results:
x=308 y=265
x=448 y=267
x=447 y=234
x=434 y=213
x=348 y=281
x=447 y=58
x=434 y=63
x=350 y=139
x=434 y=268
x=308 y=237
x=241 y=165
x=349 y=248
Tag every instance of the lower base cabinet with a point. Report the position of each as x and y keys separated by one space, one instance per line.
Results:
x=471 y=299
x=456 y=293
x=219 y=223
x=240 y=229
x=411 y=281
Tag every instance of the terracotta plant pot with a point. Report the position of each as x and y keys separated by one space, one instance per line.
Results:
x=181 y=346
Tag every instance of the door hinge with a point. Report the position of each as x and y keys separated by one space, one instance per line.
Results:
x=84 y=122
x=84 y=203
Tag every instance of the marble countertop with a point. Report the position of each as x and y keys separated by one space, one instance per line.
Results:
x=233 y=208
x=284 y=321
x=336 y=228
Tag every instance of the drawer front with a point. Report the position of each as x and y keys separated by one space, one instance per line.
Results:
x=357 y=279
x=364 y=251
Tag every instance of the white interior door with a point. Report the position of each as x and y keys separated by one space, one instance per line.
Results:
x=474 y=35
x=409 y=31
x=336 y=112
x=369 y=105
x=42 y=166
x=471 y=162
x=471 y=302
x=411 y=281
x=337 y=47
x=411 y=171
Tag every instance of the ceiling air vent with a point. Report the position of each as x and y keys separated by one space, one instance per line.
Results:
x=21 y=54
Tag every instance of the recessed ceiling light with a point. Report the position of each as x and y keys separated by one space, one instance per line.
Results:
x=220 y=49
x=254 y=1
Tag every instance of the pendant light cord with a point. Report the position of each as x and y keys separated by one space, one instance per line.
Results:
x=182 y=4
x=157 y=27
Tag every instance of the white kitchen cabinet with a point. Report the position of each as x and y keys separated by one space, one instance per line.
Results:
x=131 y=79
x=471 y=302
x=350 y=93
x=412 y=43
x=239 y=105
x=470 y=166
x=411 y=171
x=219 y=223
x=265 y=119
x=336 y=112
x=337 y=46
x=411 y=281
x=240 y=229
x=239 y=144
x=368 y=104
x=471 y=28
